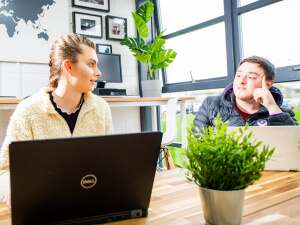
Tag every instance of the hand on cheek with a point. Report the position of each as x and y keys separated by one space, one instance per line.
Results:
x=263 y=96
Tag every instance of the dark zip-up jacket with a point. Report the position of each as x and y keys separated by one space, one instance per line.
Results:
x=225 y=105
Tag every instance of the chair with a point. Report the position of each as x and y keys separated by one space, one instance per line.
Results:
x=171 y=132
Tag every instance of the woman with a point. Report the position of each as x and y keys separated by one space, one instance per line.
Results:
x=65 y=108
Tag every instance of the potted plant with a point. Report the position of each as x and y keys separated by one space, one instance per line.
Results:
x=153 y=55
x=222 y=165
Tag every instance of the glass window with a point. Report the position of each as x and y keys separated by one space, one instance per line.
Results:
x=273 y=32
x=176 y=155
x=202 y=52
x=246 y=2
x=191 y=108
x=291 y=93
x=178 y=14
x=291 y=96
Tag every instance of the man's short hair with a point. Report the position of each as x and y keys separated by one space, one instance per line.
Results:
x=265 y=64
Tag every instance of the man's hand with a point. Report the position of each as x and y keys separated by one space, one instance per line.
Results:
x=264 y=97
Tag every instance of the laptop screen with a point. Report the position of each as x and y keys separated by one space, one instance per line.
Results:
x=90 y=179
x=285 y=139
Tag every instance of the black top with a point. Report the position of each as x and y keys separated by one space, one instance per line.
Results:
x=70 y=119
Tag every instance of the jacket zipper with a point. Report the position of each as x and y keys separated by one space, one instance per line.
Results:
x=64 y=121
x=78 y=120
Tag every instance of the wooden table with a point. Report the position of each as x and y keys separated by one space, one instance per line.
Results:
x=274 y=200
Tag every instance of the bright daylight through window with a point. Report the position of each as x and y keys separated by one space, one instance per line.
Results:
x=273 y=32
x=199 y=59
x=178 y=14
x=210 y=47
x=264 y=28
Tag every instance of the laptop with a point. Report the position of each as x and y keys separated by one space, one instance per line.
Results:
x=83 y=180
x=285 y=139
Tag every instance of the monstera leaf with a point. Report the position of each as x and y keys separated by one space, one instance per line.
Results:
x=140 y=25
x=145 y=11
x=143 y=58
x=162 y=58
x=157 y=44
x=135 y=44
x=154 y=55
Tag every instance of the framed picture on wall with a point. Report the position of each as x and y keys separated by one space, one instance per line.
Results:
x=100 y=5
x=102 y=48
x=88 y=25
x=116 y=28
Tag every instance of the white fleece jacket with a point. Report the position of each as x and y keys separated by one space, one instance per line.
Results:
x=36 y=118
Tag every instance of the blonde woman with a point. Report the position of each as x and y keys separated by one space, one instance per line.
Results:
x=65 y=108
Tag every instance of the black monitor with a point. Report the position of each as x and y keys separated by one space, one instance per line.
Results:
x=110 y=67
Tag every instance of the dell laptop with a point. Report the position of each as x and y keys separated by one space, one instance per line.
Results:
x=285 y=139
x=83 y=180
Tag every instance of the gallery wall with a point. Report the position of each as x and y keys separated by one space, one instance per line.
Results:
x=24 y=55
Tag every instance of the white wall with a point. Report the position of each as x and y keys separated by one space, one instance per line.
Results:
x=23 y=79
x=127 y=119
x=119 y=8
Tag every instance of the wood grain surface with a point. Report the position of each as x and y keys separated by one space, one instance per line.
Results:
x=273 y=200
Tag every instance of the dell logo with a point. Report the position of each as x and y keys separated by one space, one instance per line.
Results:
x=88 y=181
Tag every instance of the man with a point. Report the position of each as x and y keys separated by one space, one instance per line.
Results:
x=250 y=99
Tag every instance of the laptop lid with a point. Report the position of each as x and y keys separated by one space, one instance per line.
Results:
x=286 y=156
x=83 y=179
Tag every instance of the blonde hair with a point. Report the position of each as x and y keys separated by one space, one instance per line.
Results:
x=67 y=47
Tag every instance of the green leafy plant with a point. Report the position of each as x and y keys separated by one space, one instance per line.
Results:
x=224 y=161
x=154 y=55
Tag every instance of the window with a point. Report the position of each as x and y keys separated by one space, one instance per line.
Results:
x=272 y=32
x=246 y=2
x=212 y=37
x=291 y=96
x=211 y=45
x=178 y=14
x=191 y=108
x=200 y=59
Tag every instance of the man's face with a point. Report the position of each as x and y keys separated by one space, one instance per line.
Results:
x=248 y=77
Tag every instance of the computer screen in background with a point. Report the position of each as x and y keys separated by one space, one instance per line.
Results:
x=110 y=67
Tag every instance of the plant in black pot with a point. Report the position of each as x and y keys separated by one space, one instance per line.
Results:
x=223 y=164
x=153 y=55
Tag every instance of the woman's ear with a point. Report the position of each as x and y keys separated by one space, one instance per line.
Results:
x=67 y=66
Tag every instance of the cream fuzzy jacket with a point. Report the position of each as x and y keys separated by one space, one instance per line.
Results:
x=36 y=118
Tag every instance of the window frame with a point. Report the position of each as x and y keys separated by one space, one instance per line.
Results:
x=232 y=20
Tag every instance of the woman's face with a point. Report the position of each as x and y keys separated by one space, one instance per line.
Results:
x=85 y=72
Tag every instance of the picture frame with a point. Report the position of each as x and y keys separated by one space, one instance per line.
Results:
x=89 y=25
x=99 y=5
x=103 y=48
x=116 y=28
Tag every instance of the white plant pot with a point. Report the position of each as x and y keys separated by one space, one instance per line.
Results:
x=151 y=88
x=222 y=207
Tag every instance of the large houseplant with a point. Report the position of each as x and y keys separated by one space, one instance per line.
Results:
x=223 y=164
x=153 y=55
